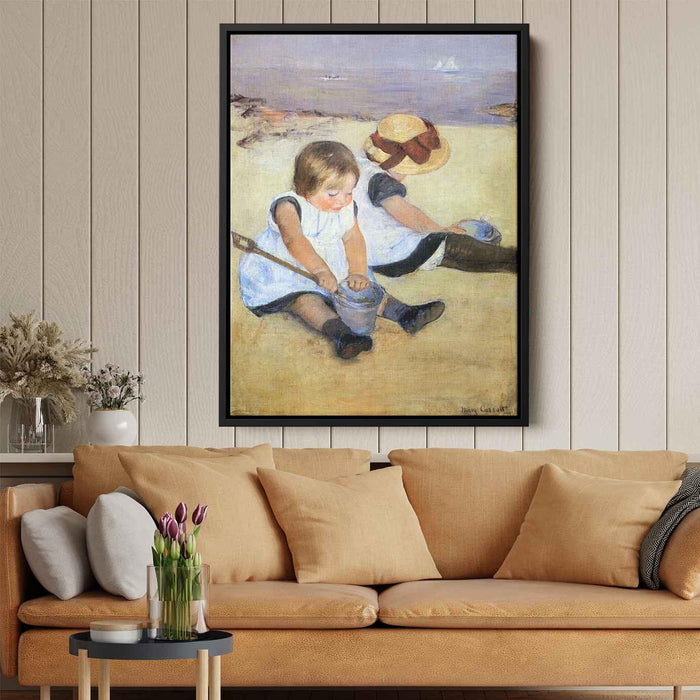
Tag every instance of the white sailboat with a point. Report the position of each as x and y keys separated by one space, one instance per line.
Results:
x=449 y=66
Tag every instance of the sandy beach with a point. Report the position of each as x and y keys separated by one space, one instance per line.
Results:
x=462 y=364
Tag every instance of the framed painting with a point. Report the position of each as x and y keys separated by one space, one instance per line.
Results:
x=374 y=225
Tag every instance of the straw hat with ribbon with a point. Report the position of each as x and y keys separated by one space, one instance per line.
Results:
x=407 y=144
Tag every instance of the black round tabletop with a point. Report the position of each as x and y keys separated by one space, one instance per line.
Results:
x=215 y=642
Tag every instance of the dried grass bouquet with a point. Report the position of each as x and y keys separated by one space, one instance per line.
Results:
x=36 y=362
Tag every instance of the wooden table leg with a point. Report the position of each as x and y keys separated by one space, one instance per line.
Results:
x=215 y=678
x=677 y=692
x=103 y=688
x=83 y=675
x=202 y=674
x=45 y=692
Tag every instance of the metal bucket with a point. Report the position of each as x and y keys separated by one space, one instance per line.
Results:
x=358 y=310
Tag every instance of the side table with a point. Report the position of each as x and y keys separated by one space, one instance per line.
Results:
x=207 y=649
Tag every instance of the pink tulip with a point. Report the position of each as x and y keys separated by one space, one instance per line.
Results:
x=181 y=512
x=173 y=529
x=163 y=524
x=200 y=514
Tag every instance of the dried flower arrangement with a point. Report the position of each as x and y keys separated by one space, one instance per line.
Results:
x=36 y=362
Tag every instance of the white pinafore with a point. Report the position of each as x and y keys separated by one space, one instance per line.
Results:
x=388 y=241
x=264 y=282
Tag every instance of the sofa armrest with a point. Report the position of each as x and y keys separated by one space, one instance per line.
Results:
x=15 y=574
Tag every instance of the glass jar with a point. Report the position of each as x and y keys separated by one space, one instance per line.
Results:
x=29 y=429
x=177 y=601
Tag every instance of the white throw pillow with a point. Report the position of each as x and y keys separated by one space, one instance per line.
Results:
x=54 y=546
x=119 y=539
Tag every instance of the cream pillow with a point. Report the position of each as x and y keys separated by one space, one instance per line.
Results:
x=240 y=539
x=353 y=529
x=586 y=529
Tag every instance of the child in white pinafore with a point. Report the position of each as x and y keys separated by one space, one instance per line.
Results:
x=315 y=226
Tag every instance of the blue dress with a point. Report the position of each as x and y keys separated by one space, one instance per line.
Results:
x=267 y=287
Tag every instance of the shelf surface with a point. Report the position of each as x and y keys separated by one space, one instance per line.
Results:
x=43 y=458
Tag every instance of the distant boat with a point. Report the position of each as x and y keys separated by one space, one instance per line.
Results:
x=449 y=66
x=329 y=76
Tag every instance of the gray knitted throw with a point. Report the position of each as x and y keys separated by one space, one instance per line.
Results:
x=686 y=500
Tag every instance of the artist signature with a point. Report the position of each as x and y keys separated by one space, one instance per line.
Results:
x=467 y=411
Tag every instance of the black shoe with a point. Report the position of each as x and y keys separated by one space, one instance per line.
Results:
x=421 y=315
x=350 y=345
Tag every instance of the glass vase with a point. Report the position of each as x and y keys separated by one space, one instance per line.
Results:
x=177 y=601
x=29 y=429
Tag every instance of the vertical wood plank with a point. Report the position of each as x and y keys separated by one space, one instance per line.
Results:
x=307 y=436
x=354 y=11
x=449 y=11
x=21 y=157
x=115 y=183
x=163 y=220
x=20 y=165
x=402 y=11
x=498 y=11
x=398 y=12
x=259 y=11
x=356 y=437
x=203 y=21
x=594 y=227
x=642 y=105
x=256 y=12
x=683 y=216
x=307 y=11
x=67 y=183
x=550 y=180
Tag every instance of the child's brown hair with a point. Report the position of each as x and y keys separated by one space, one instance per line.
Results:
x=321 y=162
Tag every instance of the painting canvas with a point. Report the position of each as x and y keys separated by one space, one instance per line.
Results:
x=374 y=225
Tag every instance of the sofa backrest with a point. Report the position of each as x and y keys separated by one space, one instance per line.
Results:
x=97 y=468
x=471 y=503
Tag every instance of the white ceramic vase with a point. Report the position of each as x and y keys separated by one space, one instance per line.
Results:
x=112 y=426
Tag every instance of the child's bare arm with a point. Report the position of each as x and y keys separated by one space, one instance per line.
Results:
x=411 y=216
x=356 y=253
x=300 y=247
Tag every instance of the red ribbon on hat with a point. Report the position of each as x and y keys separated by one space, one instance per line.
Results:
x=418 y=148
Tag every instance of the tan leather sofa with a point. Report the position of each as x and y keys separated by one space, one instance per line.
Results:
x=465 y=630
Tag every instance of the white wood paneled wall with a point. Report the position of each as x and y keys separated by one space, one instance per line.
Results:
x=109 y=207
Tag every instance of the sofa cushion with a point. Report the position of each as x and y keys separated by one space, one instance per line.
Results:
x=586 y=529
x=247 y=605
x=680 y=563
x=354 y=529
x=98 y=470
x=489 y=603
x=240 y=540
x=315 y=462
x=471 y=541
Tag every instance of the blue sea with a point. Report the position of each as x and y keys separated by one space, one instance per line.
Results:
x=453 y=97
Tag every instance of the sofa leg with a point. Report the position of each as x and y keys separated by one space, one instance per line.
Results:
x=677 y=692
x=45 y=692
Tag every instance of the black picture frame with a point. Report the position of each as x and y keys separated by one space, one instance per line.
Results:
x=521 y=31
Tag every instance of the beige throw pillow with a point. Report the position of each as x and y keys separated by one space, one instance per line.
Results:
x=240 y=539
x=586 y=529
x=97 y=468
x=354 y=529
